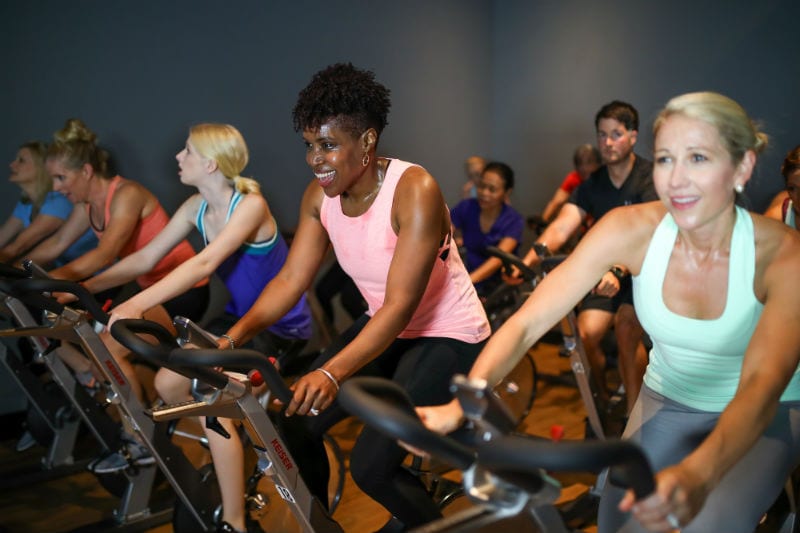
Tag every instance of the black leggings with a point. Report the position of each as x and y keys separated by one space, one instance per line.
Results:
x=424 y=368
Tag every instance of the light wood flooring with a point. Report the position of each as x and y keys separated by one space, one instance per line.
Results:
x=72 y=501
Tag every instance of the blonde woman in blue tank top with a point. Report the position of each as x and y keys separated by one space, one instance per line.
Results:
x=716 y=288
x=239 y=234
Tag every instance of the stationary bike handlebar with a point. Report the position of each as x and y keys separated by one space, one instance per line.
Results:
x=128 y=331
x=516 y=453
x=28 y=288
x=238 y=359
x=384 y=405
x=547 y=263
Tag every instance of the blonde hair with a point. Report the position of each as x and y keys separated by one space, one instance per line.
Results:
x=75 y=145
x=43 y=182
x=738 y=132
x=224 y=144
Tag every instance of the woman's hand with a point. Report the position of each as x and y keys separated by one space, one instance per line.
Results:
x=608 y=285
x=64 y=297
x=313 y=393
x=679 y=496
x=124 y=310
x=442 y=418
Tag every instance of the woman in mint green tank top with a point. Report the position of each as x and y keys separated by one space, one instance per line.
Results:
x=716 y=288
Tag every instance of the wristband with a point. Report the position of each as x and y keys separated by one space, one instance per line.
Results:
x=230 y=340
x=329 y=376
x=618 y=272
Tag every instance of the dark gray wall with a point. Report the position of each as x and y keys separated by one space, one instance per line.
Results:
x=515 y=80
x=556 y=63
x=140 y=73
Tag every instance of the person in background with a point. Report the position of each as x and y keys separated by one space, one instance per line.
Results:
x=124 y=216
x=40 y=210
x=390 y=230
x=488 y=220
x=716 y=289
x=473 y=167
x=625 y=178
x=786 y=204
x=585 y=160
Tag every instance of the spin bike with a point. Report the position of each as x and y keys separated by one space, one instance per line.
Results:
x=137 y=484
x=504 y=475
x=231 y=397
x=598 y=424
x=56 y=406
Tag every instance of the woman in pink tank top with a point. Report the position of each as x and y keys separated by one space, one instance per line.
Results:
x=124 y=215
x=390 y=228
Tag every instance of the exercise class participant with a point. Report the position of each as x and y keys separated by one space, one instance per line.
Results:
x=390 y=230
x=716 y=288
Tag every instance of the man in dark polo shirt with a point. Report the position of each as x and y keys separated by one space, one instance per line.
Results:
x=625 y=178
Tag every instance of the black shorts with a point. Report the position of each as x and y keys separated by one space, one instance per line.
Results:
x=610 y=304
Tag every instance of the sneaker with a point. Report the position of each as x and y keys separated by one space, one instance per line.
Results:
x=131 y=454
x=26 y=441
x=225 y=527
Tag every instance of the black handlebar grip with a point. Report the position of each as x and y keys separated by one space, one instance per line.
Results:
x=510 y=260
x=386 y=407
x=127 y=331
x=9 y=272
x=630 y=467
x=239 y=359
x=61 y=285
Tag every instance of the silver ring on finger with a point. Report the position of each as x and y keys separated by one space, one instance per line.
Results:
x=673 y=521
x=313 y=412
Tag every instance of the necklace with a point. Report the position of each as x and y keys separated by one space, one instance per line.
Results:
x=370 y=195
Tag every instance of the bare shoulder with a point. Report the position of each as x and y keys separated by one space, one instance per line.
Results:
x=416 y=178
x=777 y=245
x=624 y=233
x=636 y=219
x=311 y=204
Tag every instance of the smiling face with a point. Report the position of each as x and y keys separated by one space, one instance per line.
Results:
x=335 y=156
x=693 y=173
x=614 y=140
x=492 y=192
x=23 y=167
x=72 y=183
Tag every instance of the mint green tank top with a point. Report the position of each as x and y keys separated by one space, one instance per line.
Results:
x=698 y=362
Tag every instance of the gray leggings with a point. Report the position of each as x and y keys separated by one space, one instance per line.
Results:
x=668 y=431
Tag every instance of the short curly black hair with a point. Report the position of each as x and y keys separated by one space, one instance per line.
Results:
x=346 y=93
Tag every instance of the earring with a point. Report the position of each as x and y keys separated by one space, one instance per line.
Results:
x=739 y=188
x=365 y=159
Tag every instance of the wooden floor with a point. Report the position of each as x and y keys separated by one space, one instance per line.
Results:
x=29 y=504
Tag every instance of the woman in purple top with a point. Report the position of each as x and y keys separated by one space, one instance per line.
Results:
x=488 y=220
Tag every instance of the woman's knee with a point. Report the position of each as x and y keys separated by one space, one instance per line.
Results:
x=171 y=386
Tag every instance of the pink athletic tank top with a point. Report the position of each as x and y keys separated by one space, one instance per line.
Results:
x=364 y=247
x=143 y=233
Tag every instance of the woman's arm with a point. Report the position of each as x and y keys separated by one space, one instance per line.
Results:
x=126 y=210
x=493 y=264
x=10 y=229
x=244 y=221
x=42 y=227
x=559 y=198
x=619 y=237
x=771 y=358
x=49 y=249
